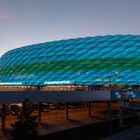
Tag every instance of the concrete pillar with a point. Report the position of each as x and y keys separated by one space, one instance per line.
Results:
x=121 y=123
x=89 y=109
x=67 y=111
x=39 y=112
x=110 y=115
x=3 y=116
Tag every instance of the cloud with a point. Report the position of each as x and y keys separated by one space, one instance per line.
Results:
x=5 y=16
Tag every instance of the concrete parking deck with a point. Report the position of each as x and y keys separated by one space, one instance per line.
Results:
x=55 y=120
x=60 y=125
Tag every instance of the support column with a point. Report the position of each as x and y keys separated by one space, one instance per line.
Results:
x=110 y=115
x=89 y=109
x=39 y=113
x=67 y=111
x=121 y=123
x=3 y=116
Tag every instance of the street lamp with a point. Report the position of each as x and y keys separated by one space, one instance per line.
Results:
x=120 y=113
x=110 y=103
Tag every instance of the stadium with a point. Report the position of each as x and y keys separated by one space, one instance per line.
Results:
x=71 y=78
x=90 y=63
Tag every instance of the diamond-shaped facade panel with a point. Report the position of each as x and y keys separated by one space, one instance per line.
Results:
x=84 y=61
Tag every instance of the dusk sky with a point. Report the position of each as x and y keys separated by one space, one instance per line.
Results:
x=25 y=22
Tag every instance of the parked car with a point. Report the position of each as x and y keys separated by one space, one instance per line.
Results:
x=61 y=106
x=76 y=105
x=44 y=107
x=52 y=106
x=15 y=108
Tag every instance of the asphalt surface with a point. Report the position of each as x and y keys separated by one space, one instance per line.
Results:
x=129 y=134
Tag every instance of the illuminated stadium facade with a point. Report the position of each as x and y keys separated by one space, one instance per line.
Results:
x=75 y=64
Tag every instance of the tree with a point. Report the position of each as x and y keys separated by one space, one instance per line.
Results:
x=25 y=127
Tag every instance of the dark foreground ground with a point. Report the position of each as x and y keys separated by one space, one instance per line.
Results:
x=93 y=131
x=128 y=134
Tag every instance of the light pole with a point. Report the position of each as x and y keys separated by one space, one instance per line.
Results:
x=120 y=112
x=110 y=101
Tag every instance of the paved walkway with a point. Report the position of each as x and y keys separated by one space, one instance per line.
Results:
x=129 y=134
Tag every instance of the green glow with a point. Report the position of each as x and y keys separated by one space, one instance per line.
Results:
x=73 y=66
